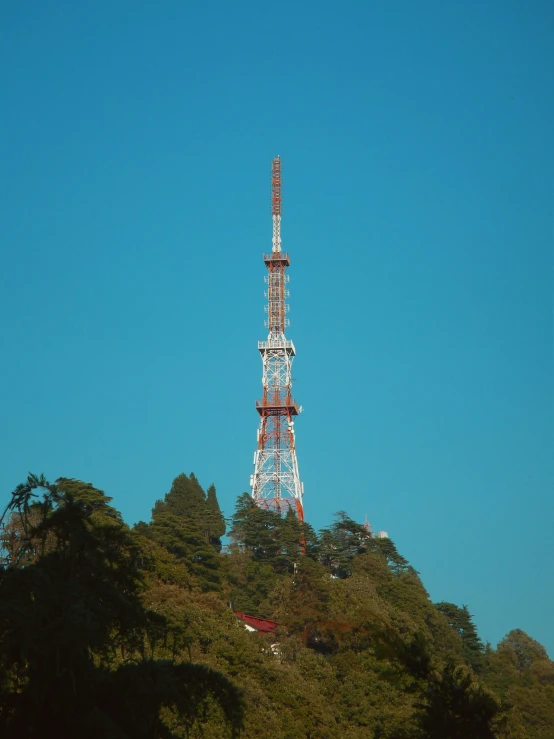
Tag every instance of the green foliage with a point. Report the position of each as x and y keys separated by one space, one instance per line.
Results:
x=107 y=632
x=186 y=499
x=189 y=525
x=266 y=547
x=461 y=621
x=249 y=583
x=339 y=544
x=387 y=549
x=76 y=641
x=522 y=675
x=255 y=530
x=214 y=518
x=157 y=564
x=182 y=537
x=457 y=706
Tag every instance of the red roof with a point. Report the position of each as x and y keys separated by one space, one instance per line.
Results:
x=260 y=624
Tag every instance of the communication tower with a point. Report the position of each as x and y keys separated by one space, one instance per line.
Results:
x=276 y=483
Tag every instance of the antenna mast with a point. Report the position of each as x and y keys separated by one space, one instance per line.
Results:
x=276 y=482
x=276 y=202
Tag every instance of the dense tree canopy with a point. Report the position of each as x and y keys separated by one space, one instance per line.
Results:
x=78 y=649
x=107 y=631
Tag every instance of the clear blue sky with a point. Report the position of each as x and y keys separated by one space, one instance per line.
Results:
x=417 y=142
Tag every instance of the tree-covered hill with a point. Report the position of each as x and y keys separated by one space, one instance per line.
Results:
x=112 y=631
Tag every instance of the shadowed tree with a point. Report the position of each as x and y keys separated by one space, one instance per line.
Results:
x=77 y=647
x=457 y=706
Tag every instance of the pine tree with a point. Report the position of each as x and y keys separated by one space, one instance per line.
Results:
x=185 y=498
x=214 y=518
x=339 y=544
x=256 y=530
x=183 y=538
x=183 y=523
x=461 y=620
x=388 y=550
x=290 y=540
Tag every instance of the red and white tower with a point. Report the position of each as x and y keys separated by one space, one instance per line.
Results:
x=276 y=483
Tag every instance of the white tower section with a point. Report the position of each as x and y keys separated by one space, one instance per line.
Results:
x=276 y=482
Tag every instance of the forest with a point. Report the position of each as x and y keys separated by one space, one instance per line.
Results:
x=129 y=632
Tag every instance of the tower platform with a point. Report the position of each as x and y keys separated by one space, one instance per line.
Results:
x=279 y=408
x=277 y=257
x=278 y=344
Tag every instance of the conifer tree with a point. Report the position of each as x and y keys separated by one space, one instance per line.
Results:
x=290 y=539
x=182 y=523
x=256 y=530
x=388 y=550
x=340 y=543
x=185 y=498
x=461 y=621
x=214 y=518
x=182 y=537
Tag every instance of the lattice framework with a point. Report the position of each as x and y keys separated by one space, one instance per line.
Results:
x=276 y=481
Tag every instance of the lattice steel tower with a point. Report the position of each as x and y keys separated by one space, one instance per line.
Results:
x=276 y=483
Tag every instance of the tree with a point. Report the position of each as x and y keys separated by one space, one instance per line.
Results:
x=522 y=650
x=185 y=498
x=256 y=530
x=189 y=525
x=457 y=706
x=339 y=544
x=110 y=633
x=307 y=606
x=461 y=621
x=183 y=538
x=214 y=518
x=522 y=674
x=75 y=640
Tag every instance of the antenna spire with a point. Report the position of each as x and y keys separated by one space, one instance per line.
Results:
x=276 y=202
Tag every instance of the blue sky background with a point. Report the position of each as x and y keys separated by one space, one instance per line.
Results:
x=417 y=142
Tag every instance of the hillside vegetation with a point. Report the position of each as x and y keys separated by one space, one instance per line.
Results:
x=127 y=632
